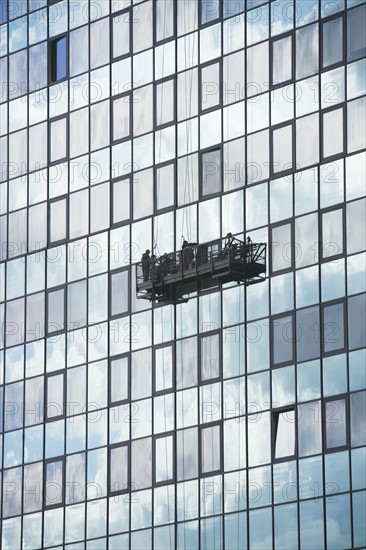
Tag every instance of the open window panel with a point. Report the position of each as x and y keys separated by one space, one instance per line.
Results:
x=284 y=434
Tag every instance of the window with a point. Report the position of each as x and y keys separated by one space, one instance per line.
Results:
x=121 y=117
x=333 y=327
x=307 y=334
x=118 y=376
x=211 y=172
x=210 y=86
x=58 y=220
x=141 y=463
x=309 y=428
x=283 y=153
x=121 y=201
x=58 y=59
x=56 y=311
x=58 y=139
x=283 y=339
x=282 y=247
x=210 y=357
x=119 y=293
x=332 y=233
x=332 y=42
x=210 y=449
x=118 y=469
x=165 y=102
x=186 y=363
x=165 y=186
x=282 y=60
x=356 y=33
x=358 y=419
x=55 y=396
x=53 y=490
x=357 y=321
x=163 y=368
x=333 y=133
x=163 y=459
x=335 y=423
x=210 y=11
x=164 y=20
x=284 y=434
x=121 y=34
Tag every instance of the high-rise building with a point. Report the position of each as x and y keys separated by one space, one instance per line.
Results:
x=233 y=420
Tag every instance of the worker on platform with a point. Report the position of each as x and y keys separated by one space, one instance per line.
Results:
x=145 y=264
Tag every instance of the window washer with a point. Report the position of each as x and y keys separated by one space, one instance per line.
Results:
x=145 y=262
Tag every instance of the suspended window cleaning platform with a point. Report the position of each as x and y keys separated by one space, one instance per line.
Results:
x=171 y=277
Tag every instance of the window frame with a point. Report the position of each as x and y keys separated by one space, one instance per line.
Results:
x=128 y=487
x=48 y=292
x=202 y=336
x=110 y=296
x=344 y=397
x=324 y=305
x=67 y=141
x=322 y=23
x=201 y=171
x=174 y=205
x=275 y=414
x=201 y=428
x=126 y=221
x=219 y=105
x=274 y=318
x=61 y=459
x=277 y=38
x=47 y=377
x=290 y=169
x=157 y=42
x=51 y=243
x=128 y=398
x=124 y=12
x=218 y=19
x=156 y=392
x=52 y=58
x=173 y=479
x=156 y=83
x=322 y=258
x=291 y=245
x=342 y=154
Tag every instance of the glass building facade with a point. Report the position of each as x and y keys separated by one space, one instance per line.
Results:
x=235 y=420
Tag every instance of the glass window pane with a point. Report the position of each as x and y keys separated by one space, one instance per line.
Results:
x=119 y=379
x=358 y=419
x=58 y=139
x=58 y=220
x=285 y=435
x=333 y=327
x=121 y=200
x=307 y=334
x=121 y=34
x=357 y=321
x=282 y=60
x=164 y=459
x=54 y=483
x=210 y=86
x=141 y=467
x=309 y=428
x=56 y=311
x=307 y=51
x=283 y=339
x=211 y=449
x=332 y=41
x=356 y=33
x=165 y=104
x=211 y=172
x=333 y=133
x=282 y=149
x=210 y=359
x=163 y=368
x=118 y=469
x=281 y=247
x=165 y=183
x=119 y=292
x=55 y=396
x=335 y=423
x=121 y=117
